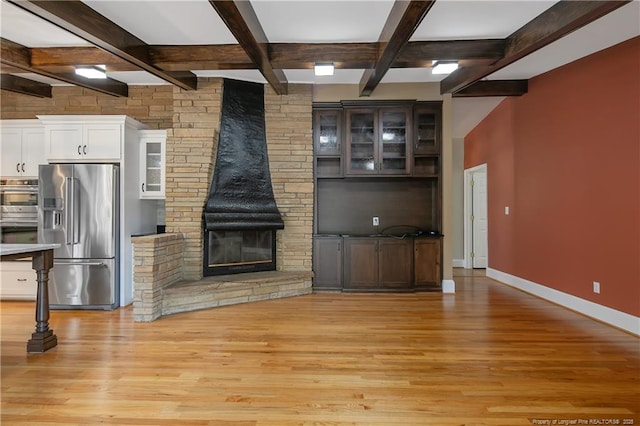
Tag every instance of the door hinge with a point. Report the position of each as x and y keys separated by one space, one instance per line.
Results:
x=472 y=218
x=473 y=255
x=472 y=182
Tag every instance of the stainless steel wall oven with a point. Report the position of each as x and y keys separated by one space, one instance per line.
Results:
x=18 y=211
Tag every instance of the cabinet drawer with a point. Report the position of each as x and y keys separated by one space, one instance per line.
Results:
x=18 y=281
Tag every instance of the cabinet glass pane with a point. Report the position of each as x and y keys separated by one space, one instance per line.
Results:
x=394 y=140
x=328 y=133
x=154 y=157
x=362 y=141
x=426 y=129
x=153 y=179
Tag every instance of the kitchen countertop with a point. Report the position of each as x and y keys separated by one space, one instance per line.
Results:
x=9 y=249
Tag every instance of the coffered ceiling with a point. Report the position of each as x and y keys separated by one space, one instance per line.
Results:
x=499 y=44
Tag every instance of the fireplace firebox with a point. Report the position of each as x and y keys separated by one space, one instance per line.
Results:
x=234 y=252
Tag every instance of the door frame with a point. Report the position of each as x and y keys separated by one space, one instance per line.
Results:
x=468 y=209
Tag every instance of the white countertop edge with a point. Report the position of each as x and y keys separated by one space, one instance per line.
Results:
x=6 y=249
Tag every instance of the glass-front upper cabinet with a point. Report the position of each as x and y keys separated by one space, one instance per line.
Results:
x=394 y=158
x=327 y=132
x=427 y=127
x=152 y=163
x=362 y=139
x=378 y=141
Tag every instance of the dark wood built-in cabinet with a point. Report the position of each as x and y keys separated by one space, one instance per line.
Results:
x=377 y=160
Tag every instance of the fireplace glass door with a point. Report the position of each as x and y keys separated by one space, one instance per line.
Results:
x=229 y=252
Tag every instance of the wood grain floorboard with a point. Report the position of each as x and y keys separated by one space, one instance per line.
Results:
x=488 y=355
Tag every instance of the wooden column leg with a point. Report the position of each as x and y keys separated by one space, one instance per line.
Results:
x=43 y=338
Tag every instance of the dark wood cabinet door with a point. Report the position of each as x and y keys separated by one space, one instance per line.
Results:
x=395 y=263
x=362 y=142
x=427 y=131
x=427 y=263
x=395 y=141
x=360 y=263
x=327 y=132
x=327 y=263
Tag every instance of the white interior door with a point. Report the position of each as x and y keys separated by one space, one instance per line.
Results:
x=479 y=223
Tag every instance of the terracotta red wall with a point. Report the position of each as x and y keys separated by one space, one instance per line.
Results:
x=565 y=158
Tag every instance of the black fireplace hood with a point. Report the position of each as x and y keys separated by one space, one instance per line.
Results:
x=241 y=195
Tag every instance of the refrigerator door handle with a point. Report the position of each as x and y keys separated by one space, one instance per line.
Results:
x=62 y=262
x=71 y=214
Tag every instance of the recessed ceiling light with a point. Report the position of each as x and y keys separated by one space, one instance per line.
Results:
x=323 y=69
x=444 y=68
x=91 y=72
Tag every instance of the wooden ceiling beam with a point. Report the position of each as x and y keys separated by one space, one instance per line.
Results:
x=66 y=58
x=79 y=19
x=453 y=50
x=282 y=55
x=554 y=23
x=494 y=88
x=24 y=86
x=243 y=23
x=200 y=57
x=305 y=55
x=403 y=20
x=16 y=55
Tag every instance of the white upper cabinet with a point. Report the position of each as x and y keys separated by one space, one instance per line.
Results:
x=88 y=138
x=22 y=147
x=84 y=142
x=152 y=163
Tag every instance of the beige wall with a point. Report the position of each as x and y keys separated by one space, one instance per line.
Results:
x=457 y=193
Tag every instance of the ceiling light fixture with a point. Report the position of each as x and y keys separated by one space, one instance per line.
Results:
x=444 y=67
x=92 y=72
x=323 y=69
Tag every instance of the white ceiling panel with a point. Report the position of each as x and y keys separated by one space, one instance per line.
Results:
x=475 y=19
x=167 y=22
x=247 y=75
x=408 y=75
x=23 y=28
x=136 y=78
x=339 y=77
x=322 y=21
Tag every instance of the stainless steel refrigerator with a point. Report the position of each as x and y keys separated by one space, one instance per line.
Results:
x=78 y=208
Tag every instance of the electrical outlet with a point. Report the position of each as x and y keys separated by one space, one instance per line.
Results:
x=376 y=221
x=596 y=287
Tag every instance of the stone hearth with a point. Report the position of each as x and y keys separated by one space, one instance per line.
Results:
x=160 y=287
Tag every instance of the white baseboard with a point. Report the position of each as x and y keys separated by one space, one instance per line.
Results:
x=457 y=263
x=607 y=315
x=448 y=286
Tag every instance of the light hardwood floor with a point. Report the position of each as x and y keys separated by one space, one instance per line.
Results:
x=488 y=355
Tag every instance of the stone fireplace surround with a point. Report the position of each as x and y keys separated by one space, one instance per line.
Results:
x=168 y=267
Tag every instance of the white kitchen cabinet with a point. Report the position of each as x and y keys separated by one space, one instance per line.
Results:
x=152 y=163
x=17 y=281
x=84 y=142
x=22 y=148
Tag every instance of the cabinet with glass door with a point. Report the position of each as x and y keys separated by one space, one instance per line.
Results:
x=378 y=141
x=327 y=141
x=426 y=145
